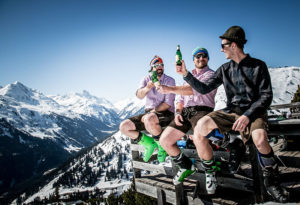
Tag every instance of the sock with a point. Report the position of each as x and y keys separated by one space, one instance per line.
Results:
x=267 y=160
x=207 y=164
x=157 y=136
x=182 y=161
x=138 y=138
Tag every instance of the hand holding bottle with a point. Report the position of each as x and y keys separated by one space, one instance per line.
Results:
x=155 y=79
x=181 y=69
x=150 y=85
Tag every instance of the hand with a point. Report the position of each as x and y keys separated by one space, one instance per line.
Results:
x=241 y=123
x=181 y=69
x=178 y=119
x=163 y=89
x=150 y=85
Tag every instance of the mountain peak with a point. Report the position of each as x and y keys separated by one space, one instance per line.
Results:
x=16 y=90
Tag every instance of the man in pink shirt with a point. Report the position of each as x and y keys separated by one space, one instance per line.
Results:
x=159 y=112
x=190 y=107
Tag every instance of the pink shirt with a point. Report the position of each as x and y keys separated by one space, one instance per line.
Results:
x=154 y=98
x=199 y=99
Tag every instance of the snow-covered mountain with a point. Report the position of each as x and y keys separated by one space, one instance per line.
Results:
x=130 y=107
x=40 y=132
x=103 y=166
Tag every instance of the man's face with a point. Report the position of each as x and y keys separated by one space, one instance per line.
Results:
x=226 y=48
x=159 y=67
x=200 y=60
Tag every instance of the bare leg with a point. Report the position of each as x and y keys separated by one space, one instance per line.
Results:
x=168 y=140
x=128 y=128
x=204 y=126
x=260 y=139
x=152 y=124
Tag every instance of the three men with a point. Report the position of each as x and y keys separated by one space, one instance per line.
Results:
x=159 y=112
x=190 y=107
x=248 y=89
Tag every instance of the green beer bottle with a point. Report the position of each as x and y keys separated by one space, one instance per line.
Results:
x=154 y=78
x=178 y=56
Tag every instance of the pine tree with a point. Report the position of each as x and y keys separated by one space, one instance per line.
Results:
x=296 y=98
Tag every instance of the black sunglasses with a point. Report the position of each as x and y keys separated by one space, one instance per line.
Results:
x=199 y=55
x=224 y=44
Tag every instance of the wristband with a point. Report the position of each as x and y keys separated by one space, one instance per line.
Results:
x=178 y=113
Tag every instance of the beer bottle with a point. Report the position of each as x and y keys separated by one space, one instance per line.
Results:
x=178 y=56
x=154 y=78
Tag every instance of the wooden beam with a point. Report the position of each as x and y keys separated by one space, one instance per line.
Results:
x=282 y=106
x=153 y=168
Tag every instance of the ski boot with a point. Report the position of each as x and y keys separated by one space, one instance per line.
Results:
x=161 y=154
x=149 y=144
x=185 y=168
x=211 y=167
x=271 y=182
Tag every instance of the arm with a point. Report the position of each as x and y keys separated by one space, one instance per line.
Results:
x=162 y=107
x=142 y=92
x=265 y=94
x=179 y=90
x=178 y=117
x=203 y=88
x=179 y=107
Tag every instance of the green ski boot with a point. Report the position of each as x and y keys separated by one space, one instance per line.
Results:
x=149 y=144
x=161 y=154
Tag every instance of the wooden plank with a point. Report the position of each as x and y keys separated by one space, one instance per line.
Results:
x=242 y=184
x=140 y=148
x=152 y=191
x=282 y=106
x=285 y=122
x=152 y=167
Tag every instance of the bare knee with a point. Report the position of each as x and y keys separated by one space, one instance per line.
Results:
x=204 y=126
x=151 y=120
x=126 y=125
x=169 y=137
x=260 y=139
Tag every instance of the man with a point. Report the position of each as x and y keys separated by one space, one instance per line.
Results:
x=159 y=112
x=191 y=107
x=248 y=89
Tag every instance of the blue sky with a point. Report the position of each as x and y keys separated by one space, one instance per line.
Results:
x=104 y=47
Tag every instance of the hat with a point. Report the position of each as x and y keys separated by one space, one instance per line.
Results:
x=155 y=59
x=200 y=50
x=235 y=34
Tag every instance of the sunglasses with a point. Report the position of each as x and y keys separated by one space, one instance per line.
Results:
x=199 y=55
x=157 y=65
x=224 y=44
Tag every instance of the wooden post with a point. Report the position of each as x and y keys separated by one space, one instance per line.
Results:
x=260 y=194
x=135 y=156
x=161 y=196
x=179 y=190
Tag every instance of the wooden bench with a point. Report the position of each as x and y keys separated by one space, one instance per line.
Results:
x=155 y=180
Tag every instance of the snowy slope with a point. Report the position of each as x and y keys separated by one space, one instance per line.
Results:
x=39 y=133
x=86 y=104
x=130 y=107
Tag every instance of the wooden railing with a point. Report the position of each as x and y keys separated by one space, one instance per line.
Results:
x=155 y=179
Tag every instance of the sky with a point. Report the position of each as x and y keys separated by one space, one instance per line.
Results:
x=104 y=47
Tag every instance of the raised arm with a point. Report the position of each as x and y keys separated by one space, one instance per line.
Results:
x=201 y=87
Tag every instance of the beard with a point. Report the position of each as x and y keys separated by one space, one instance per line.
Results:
x=159 y=72
x=201 y=65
